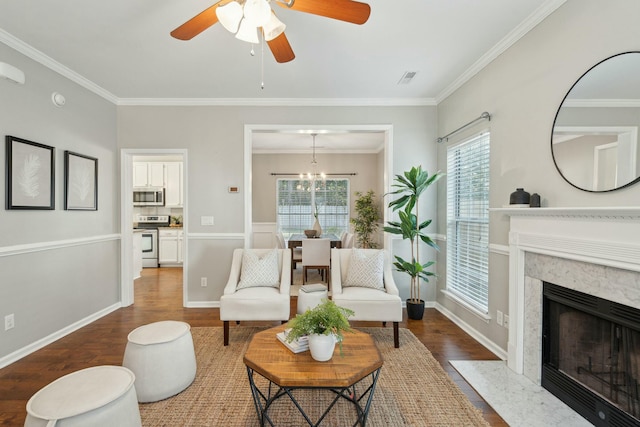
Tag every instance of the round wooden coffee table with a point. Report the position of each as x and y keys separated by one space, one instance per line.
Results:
x=288 y=371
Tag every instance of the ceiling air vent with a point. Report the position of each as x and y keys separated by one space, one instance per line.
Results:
x=407 y=77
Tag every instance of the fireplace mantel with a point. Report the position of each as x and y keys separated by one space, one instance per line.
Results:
x=604 y=236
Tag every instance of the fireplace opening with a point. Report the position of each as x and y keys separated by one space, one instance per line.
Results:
x=591 y=355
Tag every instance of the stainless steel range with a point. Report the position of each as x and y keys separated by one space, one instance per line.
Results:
x=150 y=224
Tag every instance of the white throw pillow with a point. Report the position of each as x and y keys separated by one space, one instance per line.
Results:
x=365 y=270
x=259 y=270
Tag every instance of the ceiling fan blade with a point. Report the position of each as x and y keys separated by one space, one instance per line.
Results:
x=281 y=49
x=342 y=10
x=197 y=24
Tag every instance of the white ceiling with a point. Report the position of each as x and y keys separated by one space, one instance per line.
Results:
x=122 y=50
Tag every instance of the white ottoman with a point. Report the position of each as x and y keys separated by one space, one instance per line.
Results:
x=97 y=396
x=161 y=356
x=311 y=296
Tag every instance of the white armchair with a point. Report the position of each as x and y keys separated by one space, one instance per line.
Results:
x=368 y=304
x=256 y=302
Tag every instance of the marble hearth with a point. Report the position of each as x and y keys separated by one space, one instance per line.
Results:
x=592 y=250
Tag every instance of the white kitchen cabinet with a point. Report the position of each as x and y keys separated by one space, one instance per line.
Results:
x=173 y=187
x=148 y=174
x=170 y=243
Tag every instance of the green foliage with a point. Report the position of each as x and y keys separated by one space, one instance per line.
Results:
x=365 y=224
x=409 y=187
x=326 y=318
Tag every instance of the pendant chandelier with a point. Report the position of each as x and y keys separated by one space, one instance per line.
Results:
x=313 y=175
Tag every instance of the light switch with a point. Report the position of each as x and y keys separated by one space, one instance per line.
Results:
x=206 y=220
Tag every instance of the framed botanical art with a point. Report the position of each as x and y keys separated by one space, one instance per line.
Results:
x=80 y=182
x=30 y=175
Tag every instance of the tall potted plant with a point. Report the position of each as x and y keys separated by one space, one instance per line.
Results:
x=365 y=223
x=409 y=187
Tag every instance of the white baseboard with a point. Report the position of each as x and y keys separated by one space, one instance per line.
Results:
x=203 y=304
x=37 y=345
x=490 y=345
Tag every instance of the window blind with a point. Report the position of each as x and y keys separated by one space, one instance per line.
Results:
x=468 y=221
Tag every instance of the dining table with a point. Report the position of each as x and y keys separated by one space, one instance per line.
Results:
x=295 y=241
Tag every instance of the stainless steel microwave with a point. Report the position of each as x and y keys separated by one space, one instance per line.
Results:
x=148 y=196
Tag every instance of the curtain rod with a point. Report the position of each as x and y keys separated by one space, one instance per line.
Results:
x=483 y=116
x=298 y=174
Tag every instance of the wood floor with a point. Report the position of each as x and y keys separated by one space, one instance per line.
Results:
x=158 y=296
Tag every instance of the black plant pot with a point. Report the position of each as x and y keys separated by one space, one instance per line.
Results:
x=415 y=310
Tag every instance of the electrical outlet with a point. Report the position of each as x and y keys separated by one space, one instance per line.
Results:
x=499 y=318
x=506 y=321
x=203 y=282
x=9 y=322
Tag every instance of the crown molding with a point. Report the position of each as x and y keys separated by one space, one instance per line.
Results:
x=516 y=34
x=279 y=102
x=50 y=63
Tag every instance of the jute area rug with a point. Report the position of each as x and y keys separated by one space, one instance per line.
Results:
x=412 y=390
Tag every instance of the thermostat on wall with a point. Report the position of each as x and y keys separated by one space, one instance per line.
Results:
x=233 y=190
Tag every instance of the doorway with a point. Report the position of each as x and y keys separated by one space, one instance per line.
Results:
x=128 y=213
x=251 y=130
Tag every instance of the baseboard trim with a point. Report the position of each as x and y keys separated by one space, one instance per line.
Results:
x=203 y=304
x=490 y=345
x=37 y=345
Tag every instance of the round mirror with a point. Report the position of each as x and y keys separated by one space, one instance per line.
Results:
x=594 y=141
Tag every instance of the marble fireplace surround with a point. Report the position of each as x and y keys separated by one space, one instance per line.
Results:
x=592 y=250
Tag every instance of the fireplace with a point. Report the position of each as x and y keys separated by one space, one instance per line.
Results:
x=594 y=251
x=591 y=355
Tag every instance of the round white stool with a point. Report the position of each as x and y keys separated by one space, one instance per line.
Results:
x=161 y=356
x=97 y=396
x=311 y=296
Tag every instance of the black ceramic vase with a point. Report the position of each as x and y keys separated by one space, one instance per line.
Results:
x=519 y=197
x=415 y=310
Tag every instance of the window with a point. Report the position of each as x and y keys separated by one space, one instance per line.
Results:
x=296 y=199
x=468 y=221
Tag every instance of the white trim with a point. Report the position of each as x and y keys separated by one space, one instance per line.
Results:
x=203 y=304
x=495 y=248
x=56 y=244
x=217 y=236
x=43 y=342
x=490 y=345
x=36 y=55
x=510 y=39
x=281 y=102
x=471 y=309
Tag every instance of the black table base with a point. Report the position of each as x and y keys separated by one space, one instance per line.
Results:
x=264 y=399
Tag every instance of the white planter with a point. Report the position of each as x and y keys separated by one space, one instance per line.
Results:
x=322 y=346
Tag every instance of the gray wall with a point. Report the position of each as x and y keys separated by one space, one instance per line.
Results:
x=523 y=89
x=57 y=267
x=214 y=137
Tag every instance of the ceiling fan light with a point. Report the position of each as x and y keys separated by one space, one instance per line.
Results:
x=248 y=32
x=229 y=16
x=273 y=28
x=257 y=12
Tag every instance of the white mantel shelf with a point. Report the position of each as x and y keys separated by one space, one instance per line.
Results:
x=628 y=212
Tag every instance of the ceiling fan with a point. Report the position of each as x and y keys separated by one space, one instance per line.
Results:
x=245 y=18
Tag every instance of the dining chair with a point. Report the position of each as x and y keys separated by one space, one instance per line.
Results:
x=316 y=254
x=347 y=241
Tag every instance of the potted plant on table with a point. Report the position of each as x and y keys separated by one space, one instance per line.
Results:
x=409 y=187
x=365 y=224
x=324 y=326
